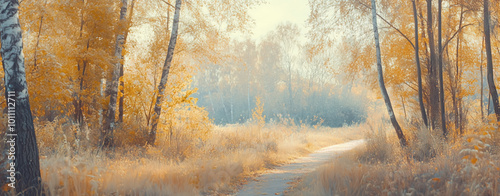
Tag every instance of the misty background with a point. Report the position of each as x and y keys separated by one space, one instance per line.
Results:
x=290 y=85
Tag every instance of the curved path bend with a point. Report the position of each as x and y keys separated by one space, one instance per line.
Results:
x=276 y=181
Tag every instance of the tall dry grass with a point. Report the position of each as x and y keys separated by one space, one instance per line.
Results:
x=466 y=164
x=180 y=164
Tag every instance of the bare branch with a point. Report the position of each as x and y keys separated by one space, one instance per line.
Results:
x=390 y=24
x=455 y=34
x=167 y=3
x=408 y=84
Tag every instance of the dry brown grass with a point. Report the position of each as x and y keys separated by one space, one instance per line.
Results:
x=181 y=166
x=464 y=165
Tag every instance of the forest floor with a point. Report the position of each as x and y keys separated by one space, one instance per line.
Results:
x=219 y=164
x=276 y=181
x=465 y=164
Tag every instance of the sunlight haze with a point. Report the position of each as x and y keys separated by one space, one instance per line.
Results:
x=249 y=97
x=270 y=14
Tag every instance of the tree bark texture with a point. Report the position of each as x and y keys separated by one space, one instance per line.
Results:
x=387 y=100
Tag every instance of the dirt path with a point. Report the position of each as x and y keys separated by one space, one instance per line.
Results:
x=277 y=180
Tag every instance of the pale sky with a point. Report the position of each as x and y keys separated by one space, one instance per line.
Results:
x=268 y=15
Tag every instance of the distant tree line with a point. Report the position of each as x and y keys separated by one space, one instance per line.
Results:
x=289 y=86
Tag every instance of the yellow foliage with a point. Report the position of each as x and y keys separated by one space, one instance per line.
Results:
x=58 y=134
x=257 y=113
x=230 y=155
x=465 y=166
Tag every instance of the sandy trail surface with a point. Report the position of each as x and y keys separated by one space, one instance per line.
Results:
x=276 y=181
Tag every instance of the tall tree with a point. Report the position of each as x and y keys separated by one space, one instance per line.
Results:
x=82 y=65
x=489 y=58
x=26 y=158
x=287 y=37
x=440 y=59
x=434 y=91
x=93 y=52
x=109 y=123
x=456 y=85
x=482 y=81
x=387 y=100
x=419 y=71
x=164 y=74
x=122 y=84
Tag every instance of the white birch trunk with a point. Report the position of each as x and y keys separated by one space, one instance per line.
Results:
x=165 y=72
x=22 y=132
x=109 y=123
x=387 y=100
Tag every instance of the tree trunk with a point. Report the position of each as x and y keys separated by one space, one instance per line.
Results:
x=419 y=71
x=453 y=93
x=404 y=108
x=101 y=93
x=489 y=67
x=80 y=118
x=122 y=95
x=21 y=131
x=440 y=59
x=453 y=80
x=77 y=103
x=122 y=84
x=109 y=123
x=489 y=104
x=425 y=96
x=456 y=95
x=482 y=81
x=434 y=91
x=164 y=74
x=399 y=131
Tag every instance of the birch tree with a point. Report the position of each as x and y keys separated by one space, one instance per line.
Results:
x=432 y=69
x=27 y=166
x=164 y=74
x=419 y=71
x=287 y=38
x=109 y=123
x=121 y=87
x=440 y=63
x=387 y=100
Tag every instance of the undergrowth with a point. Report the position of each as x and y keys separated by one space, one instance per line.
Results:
x=180 y=164
x=467 y=164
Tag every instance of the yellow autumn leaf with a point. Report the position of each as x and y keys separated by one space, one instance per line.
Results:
x=473 y=160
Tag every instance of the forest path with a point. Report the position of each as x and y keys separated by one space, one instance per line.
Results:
x=276 y=181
